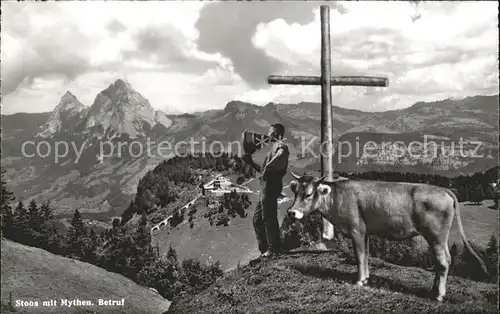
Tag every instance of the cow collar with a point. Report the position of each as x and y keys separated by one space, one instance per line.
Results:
x=335 y=180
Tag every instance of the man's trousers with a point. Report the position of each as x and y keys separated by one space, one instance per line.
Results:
x=265 y=219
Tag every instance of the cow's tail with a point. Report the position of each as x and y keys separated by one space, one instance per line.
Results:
x=456 y=205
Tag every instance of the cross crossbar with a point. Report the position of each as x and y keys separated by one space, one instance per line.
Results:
x=335 y=80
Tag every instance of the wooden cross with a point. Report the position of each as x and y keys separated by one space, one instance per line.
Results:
x=326 y=81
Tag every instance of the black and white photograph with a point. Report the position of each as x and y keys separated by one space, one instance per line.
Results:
x=249 y=157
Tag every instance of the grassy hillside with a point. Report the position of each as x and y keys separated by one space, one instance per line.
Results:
x=33 y=274
x=228 y=244
x=323 y=283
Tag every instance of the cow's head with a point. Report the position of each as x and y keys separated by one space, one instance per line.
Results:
x=309 y=195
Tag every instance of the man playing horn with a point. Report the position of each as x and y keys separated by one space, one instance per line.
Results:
x=274 y=167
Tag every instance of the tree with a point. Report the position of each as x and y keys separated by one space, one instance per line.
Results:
x=46 y=232
x=116 y=223
x=142 y=240
x=164 y=274
x=118 y=254
x=46 y=211
x=496 y=195
x=492 y=255
x=6 y=197
x=455 y=257
x=469 y=268
x=30 y=225
x=21 y=221
x=33 y=215
x=159 y=276
x=240 y=179
x=467 y=192
x=222 y=219
x=76 y=237
x=127 y=214
x=199 y=276
x=478 y=195
x=172 y=256
x=455 y=191
x=95 y=237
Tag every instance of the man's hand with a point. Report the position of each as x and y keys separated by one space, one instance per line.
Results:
x=264 y=170
x=247 y=158
x=261 y=173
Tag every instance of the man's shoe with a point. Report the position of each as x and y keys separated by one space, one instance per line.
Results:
x=266 y=254
x=270 y=253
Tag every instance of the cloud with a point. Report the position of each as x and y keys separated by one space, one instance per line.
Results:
x=43 y=51
x=444 y=53
x=59 y=40
x=205 y=91
x=167 y=47
x=116 y=27
x=228 y=28
x=44 y=93
x=194 y=55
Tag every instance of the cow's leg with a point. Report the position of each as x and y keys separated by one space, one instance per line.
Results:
x=441 y=255
x=367 y=256
x=448 y=255
x=358 y=243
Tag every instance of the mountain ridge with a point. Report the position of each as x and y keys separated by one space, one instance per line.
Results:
x=305 y=103
x=121 y=115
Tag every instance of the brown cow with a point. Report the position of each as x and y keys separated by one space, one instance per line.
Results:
x=390 y=210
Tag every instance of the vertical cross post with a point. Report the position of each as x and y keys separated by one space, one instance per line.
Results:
x=326 y=97
x=326 y=81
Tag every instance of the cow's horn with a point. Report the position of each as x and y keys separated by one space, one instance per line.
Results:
x=321 y=179
x=296 y=176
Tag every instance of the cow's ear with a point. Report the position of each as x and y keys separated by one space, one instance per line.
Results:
x=293 y=186
x=324 y=189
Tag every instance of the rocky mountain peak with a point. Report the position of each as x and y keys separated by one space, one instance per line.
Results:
x=68 y=95
x=120 y=89
x=119 y=83
x=121 y=86
x=124 y=110
x=68 y=102
x=238 y=106
x=63 y=116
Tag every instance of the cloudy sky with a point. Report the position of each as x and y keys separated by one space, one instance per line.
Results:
x=192 y=56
